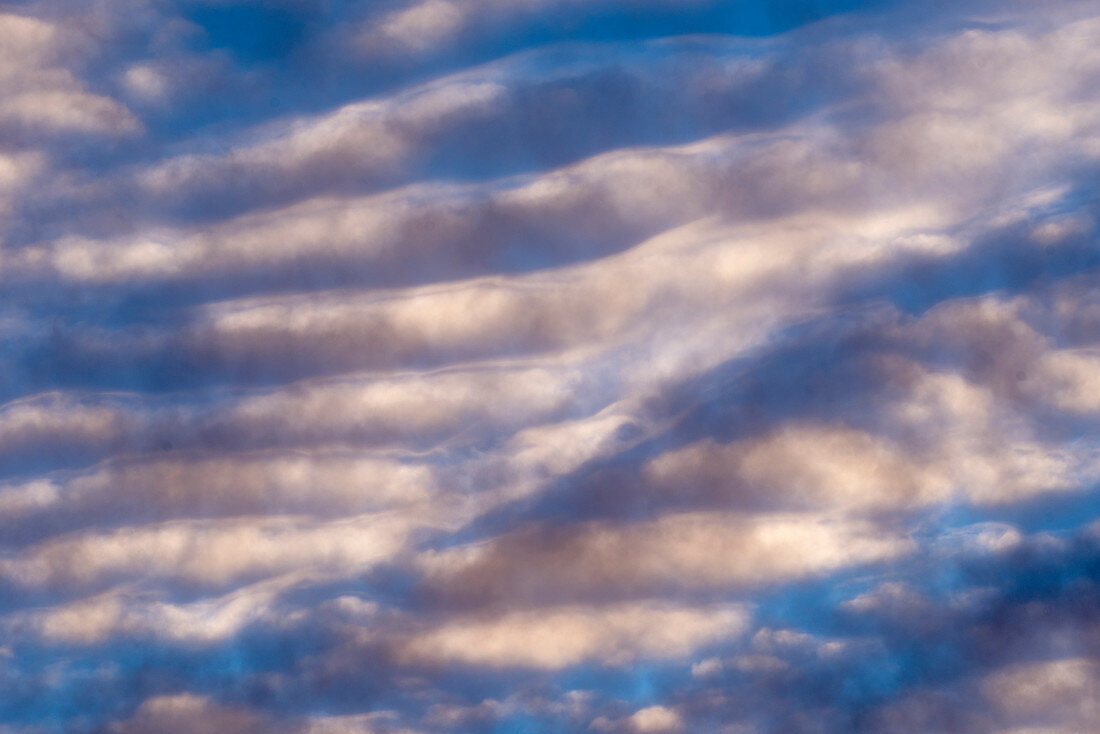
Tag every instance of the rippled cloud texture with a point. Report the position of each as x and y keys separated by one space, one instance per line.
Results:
x=613 y=366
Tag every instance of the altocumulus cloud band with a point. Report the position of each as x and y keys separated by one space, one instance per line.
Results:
x=501 y=366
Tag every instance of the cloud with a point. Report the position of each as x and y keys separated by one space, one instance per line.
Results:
x=829 y=466
x=558 y=637
x=627 y=366
x=41 y=94
x=675 y=551
x=818 y=465
x=122 y=613
x=1055 y=690
x=422 y=25
x=225 y=485
x=649 y=719
x=209 y=552
x=655 y=718
x=187 y=712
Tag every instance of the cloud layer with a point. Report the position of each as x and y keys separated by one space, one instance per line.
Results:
x=612 y=366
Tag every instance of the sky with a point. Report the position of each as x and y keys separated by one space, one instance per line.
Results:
x=542 y=366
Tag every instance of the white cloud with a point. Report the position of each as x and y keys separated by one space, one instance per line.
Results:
x=685 y=550
x=40 y=92
x=210 y=552
x=1056 y=692
x=223 y=485
x=188 y=713
x=655 y=719
x=558 y=637
x=58 y=418
x=423 y=25
x=125 y=613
